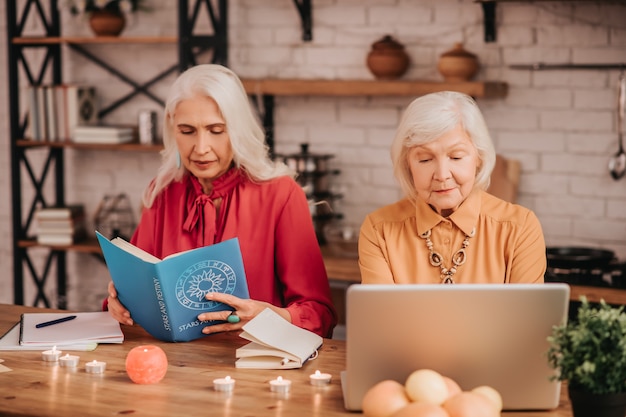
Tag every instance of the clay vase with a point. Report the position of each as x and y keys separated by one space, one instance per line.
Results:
x=387 y=59
x=457 y=64
x=107 y=23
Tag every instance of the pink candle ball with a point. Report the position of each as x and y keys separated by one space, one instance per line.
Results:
x=146 y=364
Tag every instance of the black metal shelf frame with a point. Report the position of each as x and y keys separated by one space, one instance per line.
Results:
x=489 y=12
x=20 y=64
x=306 y=18
x=20 y=58
x=137 y=88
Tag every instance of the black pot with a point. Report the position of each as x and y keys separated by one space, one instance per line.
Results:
x=585 y=404
x=578 y=257
x=307 y=162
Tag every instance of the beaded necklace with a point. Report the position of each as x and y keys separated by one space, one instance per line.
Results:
x=458 y=258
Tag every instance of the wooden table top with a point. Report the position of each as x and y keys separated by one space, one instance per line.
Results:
x=34 y=388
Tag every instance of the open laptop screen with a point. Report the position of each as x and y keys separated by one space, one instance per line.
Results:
x=476 y=334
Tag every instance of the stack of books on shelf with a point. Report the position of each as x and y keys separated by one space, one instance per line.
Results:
x=104 y=134
x=55 y=110
x=60 y=225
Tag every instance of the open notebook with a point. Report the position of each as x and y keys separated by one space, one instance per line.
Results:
x=85 y=328
x=11 y=341
x=476 y=334
x=275 y=343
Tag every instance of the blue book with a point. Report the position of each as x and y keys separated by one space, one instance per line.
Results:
x=165 y=296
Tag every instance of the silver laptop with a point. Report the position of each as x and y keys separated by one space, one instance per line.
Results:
x=476 y=334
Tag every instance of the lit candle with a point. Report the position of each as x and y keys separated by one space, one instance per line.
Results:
x=224 y=384
x=51 y=355
x=280 y=385
x=95 y=367
x=146 y=364
x=68 y=361
x=320 y=379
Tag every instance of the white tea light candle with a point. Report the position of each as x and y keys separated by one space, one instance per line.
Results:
x=51 y=355
x=280 y=385
x=224 y=384
x=69 y=361
x=320 y=379
x=95 y=367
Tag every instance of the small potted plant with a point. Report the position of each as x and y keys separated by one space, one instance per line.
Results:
x=590 y=354
x=106 y=17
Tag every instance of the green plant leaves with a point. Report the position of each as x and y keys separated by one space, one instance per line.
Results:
x=590 y=352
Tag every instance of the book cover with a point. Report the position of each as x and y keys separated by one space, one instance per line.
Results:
x=58 y=239
x=104 y=134
x=166 y=296
x=104 y=130
x=42 y=114
x=103 y=139
x=72 y=230
x=275 y=343
x=63 y=224
x=51 y=113
x=33 y=114
x=81 y=106
x=72 y=211
x=60 y=102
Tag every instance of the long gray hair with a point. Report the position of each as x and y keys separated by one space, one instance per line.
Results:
x=430 y=116
x=250 y=152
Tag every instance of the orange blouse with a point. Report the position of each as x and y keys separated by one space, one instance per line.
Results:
x=508 y=246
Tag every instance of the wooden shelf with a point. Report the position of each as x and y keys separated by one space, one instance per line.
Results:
x=292 y=87
x=39 y=40
x=26 y=143
x=299 y=87
x=84 y=246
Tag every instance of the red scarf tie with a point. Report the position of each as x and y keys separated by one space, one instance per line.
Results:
x=201 y=212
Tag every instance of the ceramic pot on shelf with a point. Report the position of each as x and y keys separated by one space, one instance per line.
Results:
x=107 y=23
x=457 y=64
x=387 y=59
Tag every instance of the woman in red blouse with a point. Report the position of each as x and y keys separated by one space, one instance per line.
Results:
x=217 y=182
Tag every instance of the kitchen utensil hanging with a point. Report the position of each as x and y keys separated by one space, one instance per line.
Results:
x=617 y=163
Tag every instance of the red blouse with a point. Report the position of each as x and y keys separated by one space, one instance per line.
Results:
x=281 y=256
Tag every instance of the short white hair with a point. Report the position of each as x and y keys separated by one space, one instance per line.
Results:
x=429 y=117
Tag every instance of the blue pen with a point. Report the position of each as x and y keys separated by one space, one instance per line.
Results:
x=57 y=321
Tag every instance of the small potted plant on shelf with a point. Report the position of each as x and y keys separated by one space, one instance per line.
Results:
x=106 y=17
x=590 y=354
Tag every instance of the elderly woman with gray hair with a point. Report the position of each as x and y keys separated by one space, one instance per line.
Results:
x=447 y=228
x=217 y=182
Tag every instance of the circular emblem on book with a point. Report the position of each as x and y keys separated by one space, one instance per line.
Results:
x=202 y=278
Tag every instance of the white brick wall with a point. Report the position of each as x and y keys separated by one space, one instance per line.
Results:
x=559 y=124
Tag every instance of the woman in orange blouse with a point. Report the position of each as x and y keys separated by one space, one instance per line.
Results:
x=448 y=229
